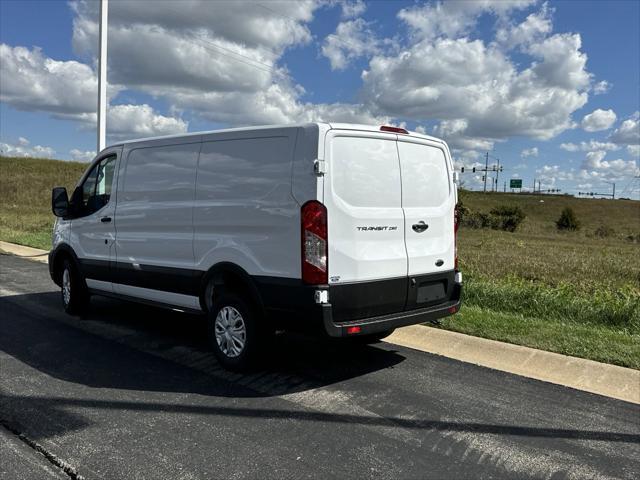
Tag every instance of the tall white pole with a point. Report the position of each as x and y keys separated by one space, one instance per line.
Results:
x=102 y=75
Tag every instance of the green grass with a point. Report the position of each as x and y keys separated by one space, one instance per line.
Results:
x=595 y=342
x=25 y=189
x=572 y=293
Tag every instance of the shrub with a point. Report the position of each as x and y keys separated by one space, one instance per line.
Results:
x=503 y=217
x=480 y=220
x=633 y=237
x=568 y=220
x=508 y=217
x=461 y=211
x=604 y=231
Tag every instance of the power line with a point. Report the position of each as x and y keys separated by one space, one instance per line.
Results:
x=287 y=17
x=193 y=39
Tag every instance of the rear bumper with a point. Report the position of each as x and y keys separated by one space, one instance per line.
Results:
x=366 y=326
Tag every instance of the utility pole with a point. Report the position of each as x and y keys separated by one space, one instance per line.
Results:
x=102 y=75
x=497 y=174
x=505 y=187
x=486 y=169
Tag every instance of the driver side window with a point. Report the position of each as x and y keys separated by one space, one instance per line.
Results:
x=96 y=189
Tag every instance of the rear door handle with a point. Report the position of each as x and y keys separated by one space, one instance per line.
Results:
x=105 y=219
x=420 y=227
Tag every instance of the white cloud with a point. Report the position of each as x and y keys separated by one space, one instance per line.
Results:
x=82 y=156
x=595 y=165
x=23 y=148
x=601 y=87
x=598 y=120
x=31 y=81
x=453 y=132
x=471 y=83
x=220 y=64
x=142 y=121
x=629 y=131
x=634 y=150
x=529 y=152
x=352 y=39
x=535 y=27
x=454 y=18
x=570 y=147
x=589 y=146
x=593 y=160
x=268 y=26
x=353 y=9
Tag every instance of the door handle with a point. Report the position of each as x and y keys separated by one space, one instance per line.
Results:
x=420 y=227
x=105 y=219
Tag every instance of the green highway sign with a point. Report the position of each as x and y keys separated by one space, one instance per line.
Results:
x=515 y=183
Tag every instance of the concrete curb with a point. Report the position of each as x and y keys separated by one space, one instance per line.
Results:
x=29 y=253
x=587 y=375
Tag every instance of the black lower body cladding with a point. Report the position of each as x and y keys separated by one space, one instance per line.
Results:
x=373 y=306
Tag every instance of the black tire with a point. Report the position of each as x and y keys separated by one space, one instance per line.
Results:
x=256 y=332
x=77 y=299
x=372 y=337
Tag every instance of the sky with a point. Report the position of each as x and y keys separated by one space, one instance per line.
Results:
x=551 y=89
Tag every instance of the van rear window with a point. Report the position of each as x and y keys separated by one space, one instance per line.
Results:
x=365 y=171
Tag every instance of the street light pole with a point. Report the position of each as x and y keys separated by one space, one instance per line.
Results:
x=486 y=172
x=102 y=75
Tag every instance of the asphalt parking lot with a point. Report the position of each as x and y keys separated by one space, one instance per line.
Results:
x=132 y=392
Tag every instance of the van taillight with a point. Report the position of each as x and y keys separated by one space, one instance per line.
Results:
x=387 y=128
x=456 y=224
x=313 y=217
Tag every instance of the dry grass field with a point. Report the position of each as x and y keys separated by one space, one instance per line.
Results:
x=575 y=293
x=25 y=189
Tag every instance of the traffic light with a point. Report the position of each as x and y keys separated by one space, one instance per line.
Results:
x=462 y=170
x=474 y=170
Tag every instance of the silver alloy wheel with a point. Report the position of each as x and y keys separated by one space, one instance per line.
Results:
x=230 y=331
x=66 y=286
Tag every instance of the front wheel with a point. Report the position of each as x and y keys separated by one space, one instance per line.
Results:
x=235 y=333
x=74 y=293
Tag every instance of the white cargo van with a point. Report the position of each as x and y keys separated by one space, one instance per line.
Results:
x=344 y=229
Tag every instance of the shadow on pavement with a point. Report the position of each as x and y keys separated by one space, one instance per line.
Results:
x=59 y=404
x=33 y=332
x=48 y=340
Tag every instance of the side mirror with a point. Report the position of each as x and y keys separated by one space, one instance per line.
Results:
x=59 y=202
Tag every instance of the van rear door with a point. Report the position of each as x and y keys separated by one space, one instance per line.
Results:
x=428 y=200
x=367 y=255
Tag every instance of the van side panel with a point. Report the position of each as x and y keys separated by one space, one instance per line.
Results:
x=304 y=185
x=154 y=233
x=244 y=211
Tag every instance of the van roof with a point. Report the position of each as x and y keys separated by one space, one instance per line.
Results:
x=337 y=126
x=376 y=128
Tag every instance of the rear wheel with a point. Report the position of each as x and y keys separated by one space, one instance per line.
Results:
x=235 y=332
x=74 y=293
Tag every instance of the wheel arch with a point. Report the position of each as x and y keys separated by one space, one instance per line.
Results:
x=228 y=276
x=61 y=253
